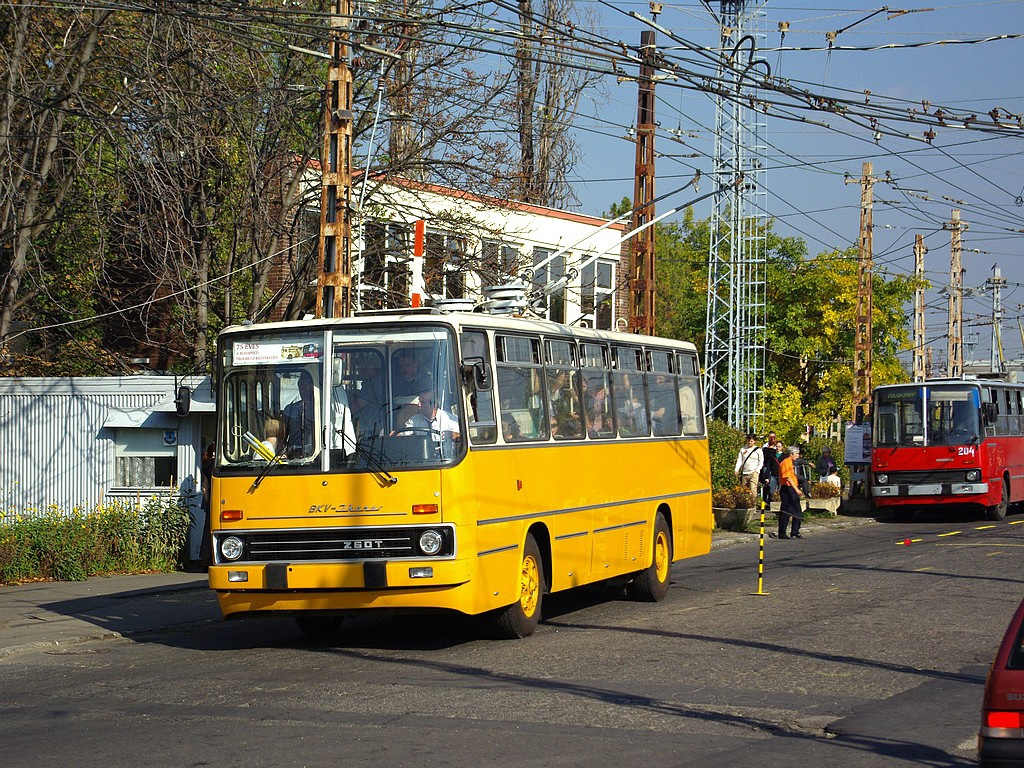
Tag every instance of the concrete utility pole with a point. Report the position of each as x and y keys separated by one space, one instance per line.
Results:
x=954 y=338
x=862 y=345
x=334 y=277
x=996 y=282
x=641 y=274
x=919 y=341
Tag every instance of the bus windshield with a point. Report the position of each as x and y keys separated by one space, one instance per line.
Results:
x=952 y=416
x=358 y=399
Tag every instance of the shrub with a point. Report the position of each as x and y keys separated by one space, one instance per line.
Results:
x=825 y=491
x=743 y=498
x=722 y=499
x=724 y=444
x=112 y=538
x=737 y=497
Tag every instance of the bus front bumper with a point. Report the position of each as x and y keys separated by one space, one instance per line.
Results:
x=340 y=586
x=929 y=489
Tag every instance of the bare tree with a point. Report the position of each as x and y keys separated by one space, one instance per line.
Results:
x=47 y=55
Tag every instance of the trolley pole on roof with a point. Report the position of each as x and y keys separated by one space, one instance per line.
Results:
x=641 y=268
x=334 y=276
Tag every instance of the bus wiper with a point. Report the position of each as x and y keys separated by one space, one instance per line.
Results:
x=375 y=465
x=261 y=450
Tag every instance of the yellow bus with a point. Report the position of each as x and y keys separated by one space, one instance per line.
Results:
x=468 y=462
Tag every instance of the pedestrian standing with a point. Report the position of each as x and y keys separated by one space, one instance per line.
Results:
x=769 y=470
x=749 y=463
x=789 y=495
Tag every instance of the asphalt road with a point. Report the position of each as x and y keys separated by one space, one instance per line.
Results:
x=864 y=652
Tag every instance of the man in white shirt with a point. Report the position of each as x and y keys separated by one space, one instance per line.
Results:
x=748 y=464
x=430 y=417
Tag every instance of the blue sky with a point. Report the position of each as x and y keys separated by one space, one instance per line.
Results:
x=982 y=174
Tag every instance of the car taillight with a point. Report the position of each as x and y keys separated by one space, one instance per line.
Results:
x=1004 y=719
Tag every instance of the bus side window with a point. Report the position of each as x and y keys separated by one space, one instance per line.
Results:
x=629 y=390
x=689 y=405
x=1010 y=418
x=661 y=389
x=520 y=390
x=597 y=393
x=483 y=429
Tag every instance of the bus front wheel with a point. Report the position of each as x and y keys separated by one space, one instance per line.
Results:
x=520 y=619
x=998 y=511
x=651 y=584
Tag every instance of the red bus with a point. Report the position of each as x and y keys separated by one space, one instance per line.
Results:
x=948 y=442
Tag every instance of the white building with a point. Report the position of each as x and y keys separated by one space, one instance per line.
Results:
x=80 y=442
x=418 y=243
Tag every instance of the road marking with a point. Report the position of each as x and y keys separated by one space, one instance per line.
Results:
x=984 y=527
x=1016 y=522
x=903 y=542
x=919 y=570
x=951 y=533
x=978 y=544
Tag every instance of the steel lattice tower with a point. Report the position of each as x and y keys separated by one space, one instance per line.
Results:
x=734 y=351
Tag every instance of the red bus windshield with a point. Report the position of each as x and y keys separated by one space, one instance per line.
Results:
x=922 y=415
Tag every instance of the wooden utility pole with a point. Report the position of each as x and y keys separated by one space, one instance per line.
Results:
x=954 y=338
x=919 y=252
x=862 y=340
x=641 y=282
x=334 y=277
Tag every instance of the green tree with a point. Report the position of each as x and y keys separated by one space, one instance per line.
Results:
x=811 y=307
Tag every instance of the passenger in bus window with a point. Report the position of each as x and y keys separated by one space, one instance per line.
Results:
x=631 y=407
x=369 y=399
x=599 y=417
x=271 y=434
x=510 y=428
x=565 y=406
x=300 y=420
x=409 y=378
x=688 y=407
x=664 y=408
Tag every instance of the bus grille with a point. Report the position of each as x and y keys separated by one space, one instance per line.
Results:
x=924 y=476
x=340 y=544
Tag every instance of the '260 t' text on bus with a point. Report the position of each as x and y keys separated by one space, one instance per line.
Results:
x=461 y=461
x=948 y=442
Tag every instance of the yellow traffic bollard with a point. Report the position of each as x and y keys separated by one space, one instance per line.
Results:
x=760 y=556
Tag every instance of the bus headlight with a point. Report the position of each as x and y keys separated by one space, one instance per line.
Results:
x=430 y=542
x=973 y=475
x=882 y=479
x=231 y=548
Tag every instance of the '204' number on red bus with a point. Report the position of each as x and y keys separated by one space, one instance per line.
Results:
x=965 y=450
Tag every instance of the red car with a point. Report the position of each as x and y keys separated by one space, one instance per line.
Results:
x=1001 y=739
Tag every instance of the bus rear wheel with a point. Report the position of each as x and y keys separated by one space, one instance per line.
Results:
x=651 y=584
x=521 y=618
x=998 y=511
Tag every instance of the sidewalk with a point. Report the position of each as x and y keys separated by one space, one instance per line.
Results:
x=47 y=614
x=53 y=614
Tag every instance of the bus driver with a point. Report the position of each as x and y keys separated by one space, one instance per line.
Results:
x=429 y=417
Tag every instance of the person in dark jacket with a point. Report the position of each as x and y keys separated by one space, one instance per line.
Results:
x=769 y=470
x=826 y=467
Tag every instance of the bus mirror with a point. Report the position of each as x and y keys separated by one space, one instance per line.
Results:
x=182 y=401
x=480 y=370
